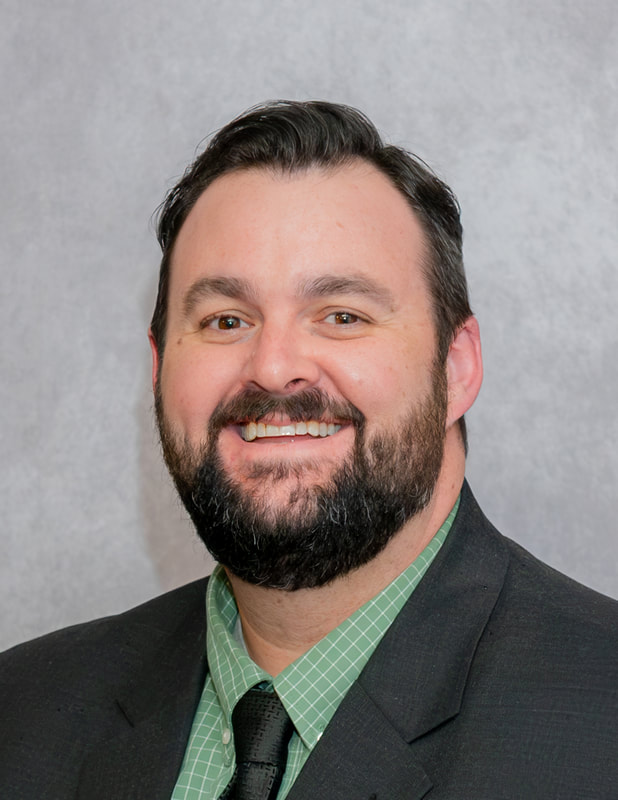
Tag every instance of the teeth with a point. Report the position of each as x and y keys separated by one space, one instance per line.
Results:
x=259 y=430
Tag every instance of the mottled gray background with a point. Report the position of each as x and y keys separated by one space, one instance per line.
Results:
x=104 y=103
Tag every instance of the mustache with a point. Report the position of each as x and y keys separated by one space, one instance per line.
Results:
x=308 y=404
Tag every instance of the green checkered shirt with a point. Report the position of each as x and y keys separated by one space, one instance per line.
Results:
x=311 y=688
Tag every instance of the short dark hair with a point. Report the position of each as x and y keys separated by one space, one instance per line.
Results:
x=291 y=136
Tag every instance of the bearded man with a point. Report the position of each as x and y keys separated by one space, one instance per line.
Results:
x=314 y=354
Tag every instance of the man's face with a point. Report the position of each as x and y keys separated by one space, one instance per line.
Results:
x=299 y=360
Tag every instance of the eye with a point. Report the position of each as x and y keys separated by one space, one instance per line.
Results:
x=223 y=322
x=342 y=318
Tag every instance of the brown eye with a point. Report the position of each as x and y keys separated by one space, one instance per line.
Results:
x=223 y=322
x=228 y=323
x=344 y=318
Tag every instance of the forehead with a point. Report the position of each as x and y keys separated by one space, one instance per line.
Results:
x=259 y=224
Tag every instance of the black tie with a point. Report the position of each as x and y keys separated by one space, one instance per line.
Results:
x=262 y=730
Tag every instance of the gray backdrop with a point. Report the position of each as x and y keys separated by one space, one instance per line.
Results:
x=104 y=103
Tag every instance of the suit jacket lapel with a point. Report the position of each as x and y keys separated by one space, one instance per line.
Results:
x=361 y=755
x=427 y=653
x=413 y=683
x=154 y=713
x=416 y=678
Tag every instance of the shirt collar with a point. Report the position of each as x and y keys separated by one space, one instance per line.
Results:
x=232 y=670
x=312 y=687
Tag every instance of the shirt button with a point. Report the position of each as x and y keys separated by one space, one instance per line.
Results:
x=226 y=736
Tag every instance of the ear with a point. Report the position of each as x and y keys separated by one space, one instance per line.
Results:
x=155 y=359
x=464 y=370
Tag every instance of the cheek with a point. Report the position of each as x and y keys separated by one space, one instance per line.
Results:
x=380 y=381
x=191 y=385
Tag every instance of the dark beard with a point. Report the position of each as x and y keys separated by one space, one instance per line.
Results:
x=324 y=531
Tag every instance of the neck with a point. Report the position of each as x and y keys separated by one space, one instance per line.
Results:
x=279 y=626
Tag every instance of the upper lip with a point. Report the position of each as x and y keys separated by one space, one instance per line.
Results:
x=281 y=421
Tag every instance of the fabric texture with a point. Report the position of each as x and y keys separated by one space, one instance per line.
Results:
x=311 y=688
x=497 y=681
x=262 y=731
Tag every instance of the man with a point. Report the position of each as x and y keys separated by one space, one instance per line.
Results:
x=314 y=353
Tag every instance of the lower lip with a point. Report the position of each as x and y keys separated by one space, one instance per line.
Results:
x=285 y=439
x=295 y=440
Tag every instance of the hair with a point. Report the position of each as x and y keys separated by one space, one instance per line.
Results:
x=291 y=136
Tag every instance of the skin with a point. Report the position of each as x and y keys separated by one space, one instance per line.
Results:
x=312 y=280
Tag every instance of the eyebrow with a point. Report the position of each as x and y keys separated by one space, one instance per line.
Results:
x=355 y=284
x=235 y=288
x=322 y=286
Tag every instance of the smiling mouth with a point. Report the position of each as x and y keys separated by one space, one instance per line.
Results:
x=261 y=430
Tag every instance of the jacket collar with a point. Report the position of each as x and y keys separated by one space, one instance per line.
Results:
x=416 y=678
x=428 y=651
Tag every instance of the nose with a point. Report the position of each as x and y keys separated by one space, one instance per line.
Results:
x=281 y=361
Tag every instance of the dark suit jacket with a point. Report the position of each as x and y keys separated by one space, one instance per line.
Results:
x=497 y=680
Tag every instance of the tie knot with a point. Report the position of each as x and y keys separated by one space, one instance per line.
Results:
x=262 y=731
x=262 y=728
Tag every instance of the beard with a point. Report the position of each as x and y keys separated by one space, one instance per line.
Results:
x=323 y=530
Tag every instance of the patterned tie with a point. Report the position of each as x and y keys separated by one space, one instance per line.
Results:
x=262 y=731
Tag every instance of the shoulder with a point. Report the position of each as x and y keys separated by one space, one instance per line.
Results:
x=555 y=612
x=146 y=624
x=70 y=672
x=536 y=600
x=547 y=640
x=546 y=663
x=555 y=638
x=61 y=693
x=543 y=679
x=539 y=612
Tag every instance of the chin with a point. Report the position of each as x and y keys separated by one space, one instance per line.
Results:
x=275 y=475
